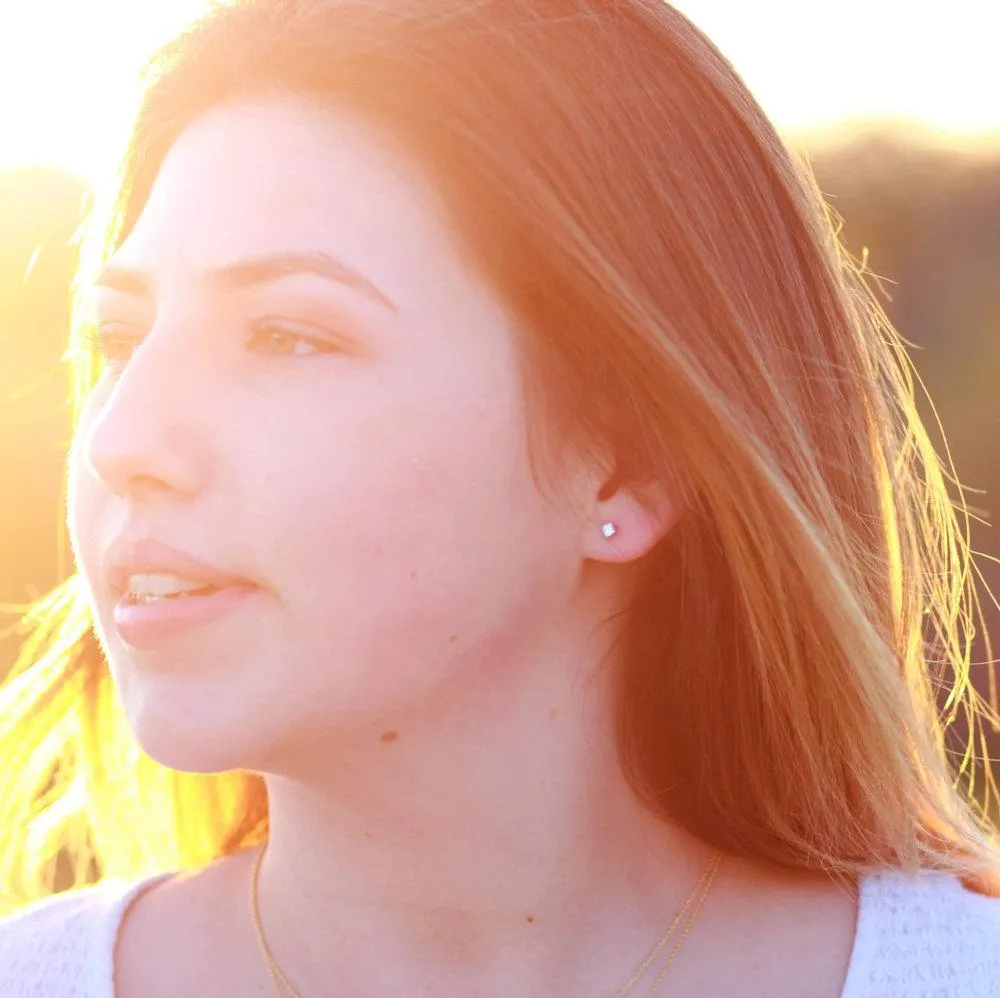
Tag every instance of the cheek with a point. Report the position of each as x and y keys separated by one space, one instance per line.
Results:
x=404 y=497
x=422 y=531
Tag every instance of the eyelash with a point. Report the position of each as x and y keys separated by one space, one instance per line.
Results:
x=103 y=340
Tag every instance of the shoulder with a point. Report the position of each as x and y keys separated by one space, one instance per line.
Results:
x=924 y=936
x=62 y=946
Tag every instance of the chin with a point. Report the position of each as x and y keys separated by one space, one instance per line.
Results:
x=186 y=732
x=174 y=744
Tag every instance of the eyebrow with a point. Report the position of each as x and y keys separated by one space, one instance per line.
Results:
x=245 y=273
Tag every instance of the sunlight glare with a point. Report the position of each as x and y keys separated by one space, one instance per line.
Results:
x=69 y=74
x=69 y=68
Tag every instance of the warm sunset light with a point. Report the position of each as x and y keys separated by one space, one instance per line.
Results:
x=815 y=64
x=67 y=69
x=68 y=75
x=496 y=492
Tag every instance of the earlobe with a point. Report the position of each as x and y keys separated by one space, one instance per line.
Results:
x=629 y=526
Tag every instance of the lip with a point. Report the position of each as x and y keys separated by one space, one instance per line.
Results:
x=144 y=625
x=131 y=556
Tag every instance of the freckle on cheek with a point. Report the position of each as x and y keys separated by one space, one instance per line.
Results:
x=390 y=736
x=453 y=638
x=531 y=918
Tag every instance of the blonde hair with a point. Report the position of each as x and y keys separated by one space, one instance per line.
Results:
x=684 y=305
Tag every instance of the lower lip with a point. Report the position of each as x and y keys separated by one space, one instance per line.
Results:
x=144 y=625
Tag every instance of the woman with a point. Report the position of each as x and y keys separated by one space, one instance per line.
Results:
x=516 y=563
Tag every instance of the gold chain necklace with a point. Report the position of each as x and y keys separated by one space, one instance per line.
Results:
x=694 y=902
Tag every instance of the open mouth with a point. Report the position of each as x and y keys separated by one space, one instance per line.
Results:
x=134 y=598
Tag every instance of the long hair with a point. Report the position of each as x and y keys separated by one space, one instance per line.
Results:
x=683 y=304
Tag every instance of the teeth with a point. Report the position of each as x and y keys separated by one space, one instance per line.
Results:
x=155 y=585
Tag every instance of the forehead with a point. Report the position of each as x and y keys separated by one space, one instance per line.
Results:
x=286 y=175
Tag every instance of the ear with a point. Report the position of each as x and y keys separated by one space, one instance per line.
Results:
x=627 y=522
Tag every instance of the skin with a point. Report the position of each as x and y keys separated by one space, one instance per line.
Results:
x=418 y=672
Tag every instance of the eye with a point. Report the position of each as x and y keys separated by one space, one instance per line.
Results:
x=113 y=343
x=285 y=341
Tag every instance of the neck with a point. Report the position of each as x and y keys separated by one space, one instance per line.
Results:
x=500 y=823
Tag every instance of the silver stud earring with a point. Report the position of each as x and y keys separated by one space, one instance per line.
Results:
x=609 y=530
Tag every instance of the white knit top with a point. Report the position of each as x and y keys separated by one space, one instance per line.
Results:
x=920 y=937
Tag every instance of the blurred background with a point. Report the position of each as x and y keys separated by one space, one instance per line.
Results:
x=896 y=105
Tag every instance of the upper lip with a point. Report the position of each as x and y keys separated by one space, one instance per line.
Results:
x=127 y=557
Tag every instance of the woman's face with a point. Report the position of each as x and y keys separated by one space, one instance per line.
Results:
x=325 y=414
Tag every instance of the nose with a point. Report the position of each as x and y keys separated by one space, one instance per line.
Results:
x=147 y=436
